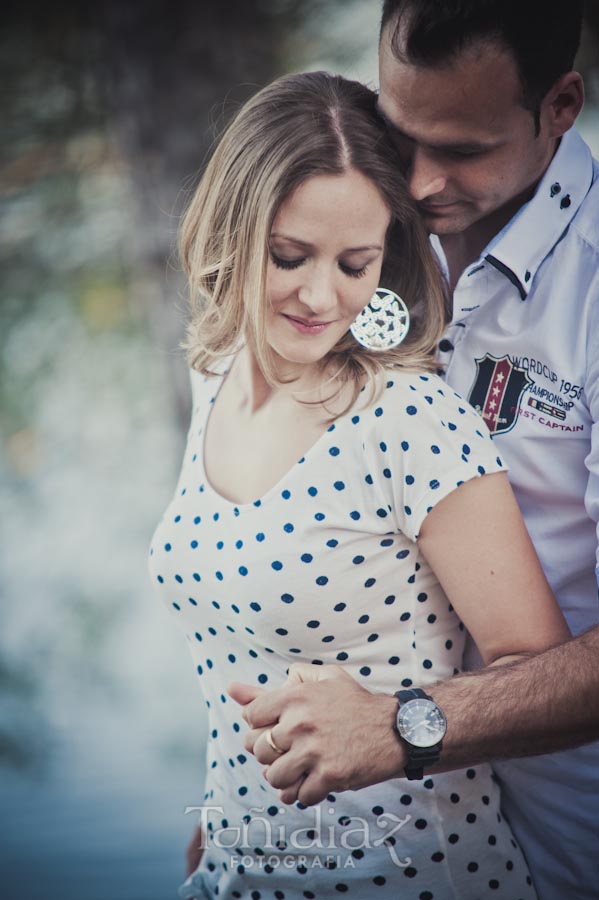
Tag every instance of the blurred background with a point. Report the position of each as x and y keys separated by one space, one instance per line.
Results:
x=108 y=110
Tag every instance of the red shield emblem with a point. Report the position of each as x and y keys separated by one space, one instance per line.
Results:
x=497 y=391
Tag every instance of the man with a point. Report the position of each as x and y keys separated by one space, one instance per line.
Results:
x=480 y=98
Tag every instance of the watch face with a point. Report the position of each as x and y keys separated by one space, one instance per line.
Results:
x=421 y=723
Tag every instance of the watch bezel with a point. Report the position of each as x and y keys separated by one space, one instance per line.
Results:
x=424 y=706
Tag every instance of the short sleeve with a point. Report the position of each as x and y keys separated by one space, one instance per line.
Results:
x=435 y=441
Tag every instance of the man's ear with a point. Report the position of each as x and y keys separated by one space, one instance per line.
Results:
x=562 y=104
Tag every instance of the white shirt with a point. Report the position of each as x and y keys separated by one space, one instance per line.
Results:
x=524 y=350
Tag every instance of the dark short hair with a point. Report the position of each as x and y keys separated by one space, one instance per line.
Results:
x=542 y=35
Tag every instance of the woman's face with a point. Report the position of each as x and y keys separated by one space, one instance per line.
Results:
x=325 y=255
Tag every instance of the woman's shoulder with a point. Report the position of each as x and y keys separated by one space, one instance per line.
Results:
x=423 y=397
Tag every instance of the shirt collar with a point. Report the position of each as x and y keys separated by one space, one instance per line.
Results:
x=520 y=248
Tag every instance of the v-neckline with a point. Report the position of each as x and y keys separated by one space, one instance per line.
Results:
x=280 y=484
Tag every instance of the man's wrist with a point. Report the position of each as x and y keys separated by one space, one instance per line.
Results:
x=395 y=751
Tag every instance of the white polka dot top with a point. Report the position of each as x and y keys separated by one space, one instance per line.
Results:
x=325 y=568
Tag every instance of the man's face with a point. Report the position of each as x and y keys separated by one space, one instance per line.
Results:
x=468 y=144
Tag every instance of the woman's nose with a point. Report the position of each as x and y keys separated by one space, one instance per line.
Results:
x=318 y=290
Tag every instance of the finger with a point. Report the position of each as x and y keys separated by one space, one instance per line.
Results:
x=312 y=790
x=264 y=752
x=268 y=707
x=244 y=693
x=289 y=795
x=286 y=770
x=251 y=736
x=302 y=672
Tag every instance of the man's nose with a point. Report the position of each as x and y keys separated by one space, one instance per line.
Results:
x=425 y=176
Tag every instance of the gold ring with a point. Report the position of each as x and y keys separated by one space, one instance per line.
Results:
x=272 y=742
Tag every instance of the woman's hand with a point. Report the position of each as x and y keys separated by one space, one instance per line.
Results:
x=194 y=851
x=335 y=734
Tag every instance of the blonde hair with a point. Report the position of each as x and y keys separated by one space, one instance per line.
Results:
x=299 y=126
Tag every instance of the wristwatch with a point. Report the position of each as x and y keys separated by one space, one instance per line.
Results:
x=422 y=726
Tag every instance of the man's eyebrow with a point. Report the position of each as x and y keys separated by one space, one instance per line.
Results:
x=306 y=245
x=451 y=146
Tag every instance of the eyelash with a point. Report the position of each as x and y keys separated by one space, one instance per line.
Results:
x=295 y=263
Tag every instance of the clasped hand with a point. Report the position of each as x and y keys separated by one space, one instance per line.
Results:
x=335 y=735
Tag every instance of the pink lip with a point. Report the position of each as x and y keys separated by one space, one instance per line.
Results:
x=306 y=326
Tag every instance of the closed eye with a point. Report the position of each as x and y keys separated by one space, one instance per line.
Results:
x=288 y=264
x=353 y=273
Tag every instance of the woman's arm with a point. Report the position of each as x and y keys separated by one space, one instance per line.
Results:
x=476 y=542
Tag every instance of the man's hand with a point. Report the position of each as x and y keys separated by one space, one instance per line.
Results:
x=335 y=734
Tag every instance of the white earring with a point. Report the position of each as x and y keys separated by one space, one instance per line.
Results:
x=384 y=323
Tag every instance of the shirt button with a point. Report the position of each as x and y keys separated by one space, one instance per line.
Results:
x=445 y=346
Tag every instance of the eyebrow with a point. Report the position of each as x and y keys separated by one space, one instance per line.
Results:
x=433 y=145
x=308 y=246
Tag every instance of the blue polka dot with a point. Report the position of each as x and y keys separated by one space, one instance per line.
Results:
x=286 y=495
x=357 y=560
x=339 y=486
x=287 y=598
x=219 y=575
x=368 y=479
x=481 y=470
x=378 y=411
x=381 y=513
x=435 y=449
x=409 y=479
x=322 y=579
x=243 y=570
x=288 y=527
x=332 y=542
x=160 y=579
x=260 y=537
x=197 y=520
x=339 y=607
x=239 y=544
x=219 y=545
x=168 y=548
x=465 y=449
x=255 y=606
x=319 y=516
x=312 y=491
x=405 y=445
x=196 y=577
x=383 y=446
x=411 y=410
x=179 y=579
x=407 y=510
x=355 y=419
x=342 y=656
x=277 y=565
x=434 y=484
x=306 y=557
x=387 y=473
x=334 y=451
x=429 y=400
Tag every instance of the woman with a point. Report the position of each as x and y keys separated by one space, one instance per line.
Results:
x=309 y=523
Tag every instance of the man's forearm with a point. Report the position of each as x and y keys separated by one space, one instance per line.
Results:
x=538 y=705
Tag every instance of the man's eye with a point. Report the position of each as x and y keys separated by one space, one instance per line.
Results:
x=353 y=273
x=285 y=263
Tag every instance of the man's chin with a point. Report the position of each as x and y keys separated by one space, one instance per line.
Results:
x=447 y=221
